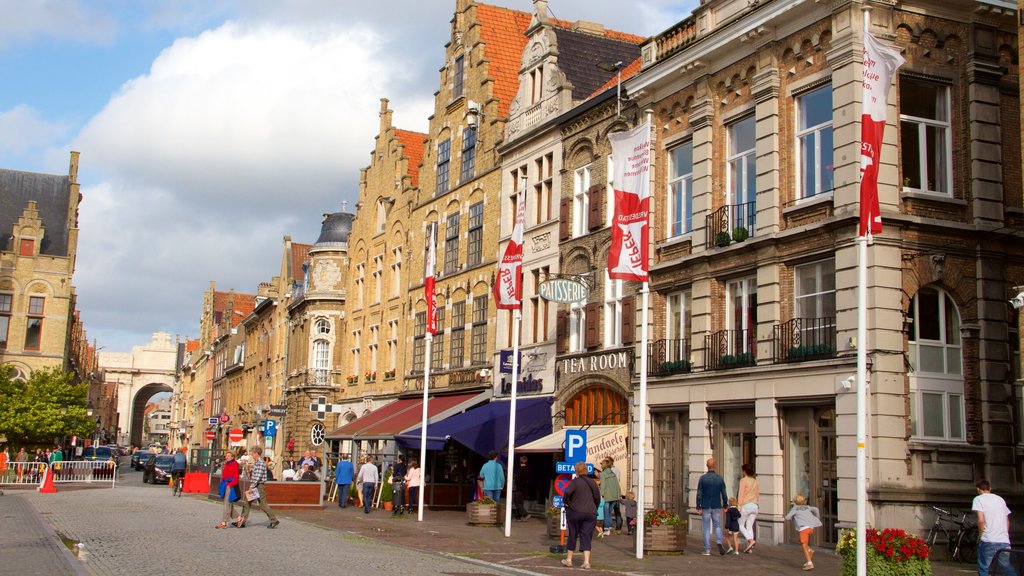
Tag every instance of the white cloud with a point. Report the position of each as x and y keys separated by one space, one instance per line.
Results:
x=68 y=20
x=23 y=131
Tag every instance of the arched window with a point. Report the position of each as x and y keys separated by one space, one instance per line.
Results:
x=323 y=327
x=322 y=361
x=936 y=360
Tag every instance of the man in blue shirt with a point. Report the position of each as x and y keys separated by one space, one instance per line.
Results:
x=343 y=476
x=494 y=477
x=179 y=464
x=711 y=500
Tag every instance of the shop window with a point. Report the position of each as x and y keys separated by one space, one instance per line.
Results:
x=936 y=378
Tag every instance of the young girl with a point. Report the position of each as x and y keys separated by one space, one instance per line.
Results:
x=629 y=508
x=732 y=527
x=806 y=518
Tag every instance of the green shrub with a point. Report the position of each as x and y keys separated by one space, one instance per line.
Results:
x=890 y=552
x=722 y=239
x=740 y=233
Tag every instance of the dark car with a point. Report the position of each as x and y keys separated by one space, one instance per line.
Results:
x=101 y=453
x=139 y=459
x=157 y=469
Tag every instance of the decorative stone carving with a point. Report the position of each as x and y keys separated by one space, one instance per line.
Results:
x=325 y=276
x=938 y=262
x=541 y=242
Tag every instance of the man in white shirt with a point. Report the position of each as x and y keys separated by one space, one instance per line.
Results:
x=994 y=527
x=367 y=480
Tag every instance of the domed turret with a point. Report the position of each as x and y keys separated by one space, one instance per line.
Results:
x=335 y=229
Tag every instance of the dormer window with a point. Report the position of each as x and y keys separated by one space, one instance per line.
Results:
x=536 y=84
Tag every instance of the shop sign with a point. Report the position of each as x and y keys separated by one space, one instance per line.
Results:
x=505 y=358
x=526 y=385
x=596 y=363
x=563 y=290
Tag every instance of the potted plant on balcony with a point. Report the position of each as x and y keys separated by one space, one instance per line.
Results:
x=740 y=233
x=483 y=512
x=664 y=531
x=722 y=239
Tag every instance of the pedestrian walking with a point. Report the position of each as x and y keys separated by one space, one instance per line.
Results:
x=344 y=473
x=413 y=480
x=258 y=479
x=611 y=493
x=732 y=528
x=494 y=477
x=711 y=500
x=994 y=527
x=229 y=489
x=748 y=501
x=398 y=471
x=806 y=518
x=367 y=480
x=581 y=498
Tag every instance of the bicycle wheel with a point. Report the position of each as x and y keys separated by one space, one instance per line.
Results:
x=969 y=545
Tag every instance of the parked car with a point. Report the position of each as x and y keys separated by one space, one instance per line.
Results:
x=102 y=453
x=139 y=459
x=157 y=469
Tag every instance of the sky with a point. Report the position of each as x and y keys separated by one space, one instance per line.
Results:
x=210 y=129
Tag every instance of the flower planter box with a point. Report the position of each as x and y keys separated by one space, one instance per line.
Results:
x=665 y=538
x=483 y=514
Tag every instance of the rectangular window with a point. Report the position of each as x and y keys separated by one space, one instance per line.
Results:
x=580 y=201
x=741 y=314
x=468 y=154
x=577 y=327
x=475 y=249
x=419 y=330
x=814 y=142
x=451 y=244
x=815 y=290
x=925 y=136
x=538 y=306
x=437 y=345
x=542 y=190
x=360 y=280
x=444 y=156
x=678 y=316
x=5 y=318
x=34 y=323
x=680 y=190
x=356 y=350
x=457 y=85
x=378 y=278
x=479 y=336
x=612 y=312
x=392 y=344
x=457 y=347
x=396 y=272
x=742 y=173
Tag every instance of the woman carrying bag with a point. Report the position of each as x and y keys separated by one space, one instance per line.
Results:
x=229 y=489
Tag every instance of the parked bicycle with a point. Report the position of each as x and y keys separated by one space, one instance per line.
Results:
x=962 y=542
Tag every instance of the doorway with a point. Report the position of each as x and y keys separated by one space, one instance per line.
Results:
x=671 y=464
x=735 y=446
x=810 y=455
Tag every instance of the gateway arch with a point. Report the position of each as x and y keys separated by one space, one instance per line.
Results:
x=146 y=370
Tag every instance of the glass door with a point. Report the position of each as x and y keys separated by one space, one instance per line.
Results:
x=810 y=456
x=671 y=472
x=828 y=497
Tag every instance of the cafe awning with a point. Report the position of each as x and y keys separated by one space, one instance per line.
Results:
x=485 y=428
x=401 y=415
x=555 y=442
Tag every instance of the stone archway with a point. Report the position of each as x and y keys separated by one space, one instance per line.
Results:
x=138 y=409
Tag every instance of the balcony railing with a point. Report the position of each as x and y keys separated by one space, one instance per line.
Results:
x=804 y=339
x=730 y=223
x=730 y=349
x=670 y=356
x=318 y=377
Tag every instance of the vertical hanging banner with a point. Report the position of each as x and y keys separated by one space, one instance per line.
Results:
x=428 y=279
x=508 y=287
x=631 y=152
x=880 y=63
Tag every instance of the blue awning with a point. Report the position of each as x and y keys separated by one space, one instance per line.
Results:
x=485 y=428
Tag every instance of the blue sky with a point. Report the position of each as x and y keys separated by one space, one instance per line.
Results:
x=210 y=129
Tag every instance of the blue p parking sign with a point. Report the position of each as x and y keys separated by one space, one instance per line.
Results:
x=270 y=428
x=575 y=446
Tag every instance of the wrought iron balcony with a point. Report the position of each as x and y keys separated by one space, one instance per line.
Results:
x=730 y=349
x=670 y=356
x=804 y=339
x=730 y=223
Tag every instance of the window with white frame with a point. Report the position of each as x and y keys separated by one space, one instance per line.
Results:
x=577 y=327
x=356 y=350
x=6 y=301
x=742 y=173
x=925 y=136
x=419 y=331
x=360 y=280
x=396 y=271
x=538 y=305
x=580 y=201
x=542 y=189
x=457 y=346
x=478 y=338
x=374 y=345
x=437 y=346
x=321 y=361
x=815 y=290
x=378 y=278
x=34 y=323
x=444 y=156
x=468 y=166
x=451 y=243
x=392 y=344
x=612 y=312
x=936 y=377
x=741 y=314
x=475 y=244
x=814 y=142
x=680 y=190
x=322 y=327
x=678 y=315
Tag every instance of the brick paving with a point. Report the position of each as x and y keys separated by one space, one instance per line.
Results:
x=28 y=546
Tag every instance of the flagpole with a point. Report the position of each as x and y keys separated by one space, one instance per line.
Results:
x=642 y=451
x=517 y=320
x=862 y=362
x=426 y=373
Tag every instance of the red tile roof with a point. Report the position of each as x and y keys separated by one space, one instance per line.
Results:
x=191 y=345
x=413 y=143
x=300 y=255
x=631 y=69
x=243 y=305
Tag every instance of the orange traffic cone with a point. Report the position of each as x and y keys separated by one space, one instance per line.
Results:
x=47 y=486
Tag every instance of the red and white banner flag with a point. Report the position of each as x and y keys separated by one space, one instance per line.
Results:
x=880 y=64
x=631 y=152
x=508 y=288
x=428 y=279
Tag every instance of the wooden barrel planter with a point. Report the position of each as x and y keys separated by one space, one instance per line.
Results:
x=483 y=514
x=665 y=538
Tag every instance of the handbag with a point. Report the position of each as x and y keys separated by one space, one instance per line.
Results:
x=252 y=494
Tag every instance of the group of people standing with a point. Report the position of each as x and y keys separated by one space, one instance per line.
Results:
x=368 y=477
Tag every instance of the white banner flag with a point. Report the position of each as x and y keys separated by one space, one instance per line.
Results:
x=631 y=153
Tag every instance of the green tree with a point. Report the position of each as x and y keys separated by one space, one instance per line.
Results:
x=44 y=409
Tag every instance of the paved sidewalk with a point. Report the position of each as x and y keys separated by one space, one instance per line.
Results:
x=527 y=549
x=29 y=546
